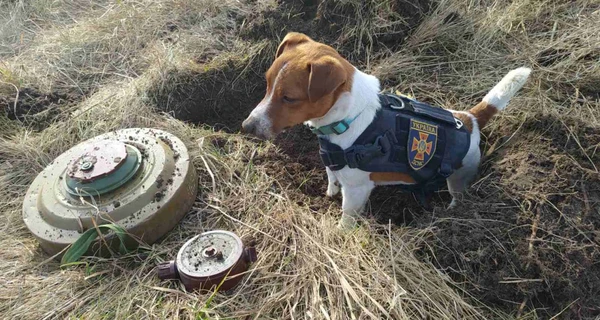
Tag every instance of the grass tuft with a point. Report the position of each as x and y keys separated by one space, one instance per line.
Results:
x=523 y=245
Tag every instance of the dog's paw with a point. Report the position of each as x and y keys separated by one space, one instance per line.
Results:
x=332 y=189
x=347 y=223
x=453 y=204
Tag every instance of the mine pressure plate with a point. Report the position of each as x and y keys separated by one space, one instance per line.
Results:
x=209 y=260
x=140 y=179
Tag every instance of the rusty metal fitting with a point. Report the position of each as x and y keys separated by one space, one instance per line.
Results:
x=167 y=270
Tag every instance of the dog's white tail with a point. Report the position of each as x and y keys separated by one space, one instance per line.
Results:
x=497 y=99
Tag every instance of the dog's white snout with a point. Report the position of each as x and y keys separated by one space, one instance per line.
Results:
x=249 y=125
x=258 y=124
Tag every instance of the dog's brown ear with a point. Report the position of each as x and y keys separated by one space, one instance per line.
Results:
x=326 y=75
x=292 y=39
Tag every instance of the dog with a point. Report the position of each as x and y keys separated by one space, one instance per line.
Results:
x=311 y=83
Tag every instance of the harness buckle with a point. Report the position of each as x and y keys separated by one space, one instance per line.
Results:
x=353 y=156
x=360 y=154
x=402 y=105
x=459 y=123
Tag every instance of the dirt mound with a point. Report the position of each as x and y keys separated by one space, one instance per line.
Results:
x=530 y=238
x=358 y=29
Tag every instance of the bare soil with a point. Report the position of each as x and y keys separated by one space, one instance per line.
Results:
x=35 y=108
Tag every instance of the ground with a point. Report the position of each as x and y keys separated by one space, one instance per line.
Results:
x=522 y=245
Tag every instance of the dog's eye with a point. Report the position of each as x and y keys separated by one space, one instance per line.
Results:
x=287 y=99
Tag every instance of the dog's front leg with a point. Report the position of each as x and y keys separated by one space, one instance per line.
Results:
x=353 y=202
x=333 y=185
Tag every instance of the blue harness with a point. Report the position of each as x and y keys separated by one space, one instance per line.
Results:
x=406 y=136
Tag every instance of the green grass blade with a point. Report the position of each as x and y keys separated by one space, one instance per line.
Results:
x=81 y=246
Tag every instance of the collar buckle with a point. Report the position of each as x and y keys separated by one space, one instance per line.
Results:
x=338 y=128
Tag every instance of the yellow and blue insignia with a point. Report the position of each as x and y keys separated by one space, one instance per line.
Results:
x=422 y=140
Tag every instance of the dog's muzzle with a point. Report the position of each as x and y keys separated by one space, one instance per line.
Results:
x=256 y=127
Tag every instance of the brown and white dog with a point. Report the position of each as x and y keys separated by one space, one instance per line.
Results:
x=309 y=82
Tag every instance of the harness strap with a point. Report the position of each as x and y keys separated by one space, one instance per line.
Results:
x=446 y=169
x=334 y=157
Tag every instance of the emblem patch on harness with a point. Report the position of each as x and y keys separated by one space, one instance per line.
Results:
x=422 y=139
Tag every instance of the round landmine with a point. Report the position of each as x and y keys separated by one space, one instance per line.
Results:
x=140 y=179
x=212 y=259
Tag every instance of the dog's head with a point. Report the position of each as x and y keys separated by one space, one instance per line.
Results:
x=303 y=83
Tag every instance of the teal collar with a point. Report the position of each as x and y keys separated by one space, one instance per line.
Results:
x=337 y=127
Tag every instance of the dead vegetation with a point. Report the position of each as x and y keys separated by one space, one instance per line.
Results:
x=524 y=245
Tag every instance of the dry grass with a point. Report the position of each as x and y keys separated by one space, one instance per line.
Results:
x=301 y=269
x=116 y=61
